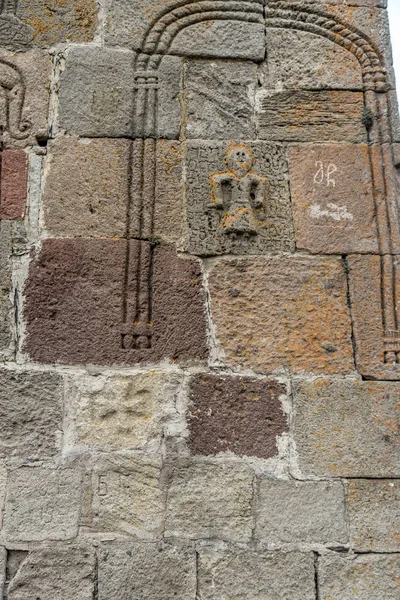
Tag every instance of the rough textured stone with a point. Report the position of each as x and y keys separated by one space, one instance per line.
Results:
x=256 y=576
x=50 y=573
x=367 y=577
x=110 y=413
x=236 y=414
x=210 y=220
x=74 y=298
x=309 y=512
x=97 y=94
x=311 y=116
x=370 y=295
x=128 y=498
x=268 y=311
x=42 y=504
x=374 y=515
x=5 y=284
x=210 y=501
x=333 y=206
x=219 y=99
x=347 y=428
x=146 y=571
x=24 y=96
x=380 y=3
x=128 y=22
x=303 y=60
x=14 y=182
x=30 y=414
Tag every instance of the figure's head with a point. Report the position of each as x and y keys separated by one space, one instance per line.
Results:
x=240 y=158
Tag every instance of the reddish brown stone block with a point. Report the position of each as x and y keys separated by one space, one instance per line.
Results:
x=237 y=414
x=14 y=184
x=283 y=312
x=332 y=198
x=81 y=297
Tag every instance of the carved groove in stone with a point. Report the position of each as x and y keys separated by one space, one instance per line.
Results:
x=12 y=88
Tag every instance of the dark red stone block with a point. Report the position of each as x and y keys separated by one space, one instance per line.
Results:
x=83 y=301
x=238 y=414
x=14 y=183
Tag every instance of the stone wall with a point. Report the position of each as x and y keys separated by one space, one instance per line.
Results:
x=199 y=294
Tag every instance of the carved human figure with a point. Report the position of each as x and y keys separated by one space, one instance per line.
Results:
x=12 y=97
x=239 y=192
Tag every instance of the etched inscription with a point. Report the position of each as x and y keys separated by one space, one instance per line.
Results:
x=324 y=174
x=13 y=32
x=12 y=98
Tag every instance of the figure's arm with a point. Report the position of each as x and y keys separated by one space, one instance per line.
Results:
x=260 y=185
x=217 y=197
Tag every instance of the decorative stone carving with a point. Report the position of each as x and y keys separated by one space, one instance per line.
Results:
x=12 y=96
x=13 y=32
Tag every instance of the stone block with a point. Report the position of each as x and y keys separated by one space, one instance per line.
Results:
x=30 y=414
x=42 y=504
x=148 y=571
x=128 y=23
x=374 y=288
x=256 y=575
x=220 y=99
x=295 y=512
x=368 y=577
x=97 y=94
x=303 y=60
x=49 y=573
x=5 y=285
x=347 y=3
x=24 y=96
x=222 y=218
x=111 y=413
x=311 y=116
x=267 y=311
x=345 y=428
x=77 y=295
x=14 y=183
x=128 y=498
x=210 y=501
x=333 y=206
x=374 y=515
x=236 y=414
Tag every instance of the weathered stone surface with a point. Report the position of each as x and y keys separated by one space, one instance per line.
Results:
x=311 y=116
x=42 y=504
x=30 y=414
x=210 y=501
x=372 y=300
x=256 y=576
x=368 y=577
x=331 y=191
x=374 y=515
x=347 y=3
x=147 y=571
x=110 y=413
x=219 y=99
x=74 y=298
x=86 y=191
x=24 y=96
x=3 y=488
x=303 y=60
x=14 y=182
x=97 y=94
x=345 y=428
x=282 y=312
x=129 y=499
x=236 y=414
x=128 y=23
x=217 y=186
x=309 y=512
x=50 y=573
x=5 y=284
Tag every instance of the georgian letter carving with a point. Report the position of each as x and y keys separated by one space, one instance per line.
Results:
x=12 y=89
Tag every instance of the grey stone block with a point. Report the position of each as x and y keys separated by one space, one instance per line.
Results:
x=310 y=512
x=42 y=504
x=220 y=99
x=345 y=428
x=210 y=224
x=207 y=501
x=97 y=94
x=5 y=285
x=146 y=571
x=251 y=575
x=370 y=577
x=374 y=515
x=30 y=414
x=50 y=573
